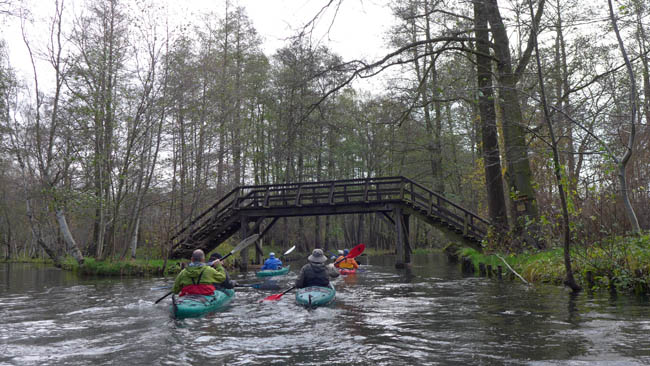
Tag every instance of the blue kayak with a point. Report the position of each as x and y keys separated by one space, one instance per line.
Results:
x=192 y=306
x=315 y=296
x=273 y=272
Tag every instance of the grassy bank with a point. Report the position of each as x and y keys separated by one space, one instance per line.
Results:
x=616 y=264
x=142 y=267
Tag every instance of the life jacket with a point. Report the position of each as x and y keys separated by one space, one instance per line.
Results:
x=198 y=288
x=348 y=263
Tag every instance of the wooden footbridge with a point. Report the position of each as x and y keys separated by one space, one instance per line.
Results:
x=245 y=209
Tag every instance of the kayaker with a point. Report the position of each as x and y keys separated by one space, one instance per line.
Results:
x=272 y=263
x=198 y=278
x=316 y=273
x=346 y=263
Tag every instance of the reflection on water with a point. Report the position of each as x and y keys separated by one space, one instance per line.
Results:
x=429 y=314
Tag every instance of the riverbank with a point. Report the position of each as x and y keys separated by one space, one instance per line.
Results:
x=617 y=264
x=139 y=267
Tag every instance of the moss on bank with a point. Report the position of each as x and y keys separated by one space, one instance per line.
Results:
x=615 y=264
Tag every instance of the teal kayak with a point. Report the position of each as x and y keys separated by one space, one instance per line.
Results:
x=273 y=272
x=192 y=306
x=315 y=296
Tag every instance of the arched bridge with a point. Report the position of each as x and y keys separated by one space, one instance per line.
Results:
x=246 y=208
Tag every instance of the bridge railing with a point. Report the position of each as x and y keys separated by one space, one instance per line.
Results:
x=351 y=191
x=340 y=192
x=212 y=214
x=440 y=206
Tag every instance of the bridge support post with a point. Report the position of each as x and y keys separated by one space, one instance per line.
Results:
x=259 y=253
x=403 y=258
x=244 y=234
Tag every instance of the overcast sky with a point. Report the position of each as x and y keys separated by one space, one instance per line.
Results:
x=358 y=30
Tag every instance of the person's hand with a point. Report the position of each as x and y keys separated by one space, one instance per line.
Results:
x=216 y=262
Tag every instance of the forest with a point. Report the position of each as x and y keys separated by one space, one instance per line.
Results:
x=531 y=113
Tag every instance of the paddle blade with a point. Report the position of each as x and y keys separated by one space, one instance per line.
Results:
x=356 y=251
x=244 y=243
x=290 y=250
x=275 y=297
x=278 y=296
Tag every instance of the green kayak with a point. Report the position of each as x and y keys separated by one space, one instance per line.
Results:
x=315 y=296
x=192 y=306
x=273 y=272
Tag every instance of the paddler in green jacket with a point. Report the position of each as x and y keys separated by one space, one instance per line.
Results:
x=199 y=278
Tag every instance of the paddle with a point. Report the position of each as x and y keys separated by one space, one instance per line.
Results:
x=354 y=252
x=266 y=285
x=243 y=244
x=288 y=251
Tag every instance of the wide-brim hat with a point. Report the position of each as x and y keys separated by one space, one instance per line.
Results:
x=317 y=256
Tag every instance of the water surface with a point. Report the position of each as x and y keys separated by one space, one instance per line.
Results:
x=428 y=315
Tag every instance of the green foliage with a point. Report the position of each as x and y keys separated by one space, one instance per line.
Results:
x=137 y=267
x=616 y=263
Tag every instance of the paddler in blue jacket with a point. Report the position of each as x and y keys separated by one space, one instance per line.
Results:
x=272 y=263
x=316 y=273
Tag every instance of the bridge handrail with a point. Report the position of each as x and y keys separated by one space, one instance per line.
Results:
x=205 y=212
x=447 y=201
x=395 y=188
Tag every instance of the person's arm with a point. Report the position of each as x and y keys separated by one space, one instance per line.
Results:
x=354 y=263
x=218 y=275
x=265 y=265
x=177 y=283
x=300 y=281
x=331 y=271
x=338 y=261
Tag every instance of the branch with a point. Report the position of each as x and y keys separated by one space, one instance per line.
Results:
x=513 y=271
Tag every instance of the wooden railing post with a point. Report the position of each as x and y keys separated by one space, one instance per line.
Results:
x=267 y=197
x=331 y=198
x=235 y=200
x=466 y=224
x=298 y=195
x=430 y=204
x=365 y=191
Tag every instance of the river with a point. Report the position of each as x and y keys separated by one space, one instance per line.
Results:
x=430 y=314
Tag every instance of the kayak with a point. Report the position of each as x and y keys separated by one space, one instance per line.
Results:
x=315 y=296
x=192 y=306
x=273 y=272
x=346 y=271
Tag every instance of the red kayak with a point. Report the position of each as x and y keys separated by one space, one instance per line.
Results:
x=345 y=271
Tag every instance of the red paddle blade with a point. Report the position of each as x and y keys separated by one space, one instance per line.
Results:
x=275 y=297
x=356 y=251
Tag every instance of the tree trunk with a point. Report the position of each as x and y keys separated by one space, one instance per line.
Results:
x=622 y=163
x=71 y=244
x=557 y=168
x=490 y=143
x=518 y=173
